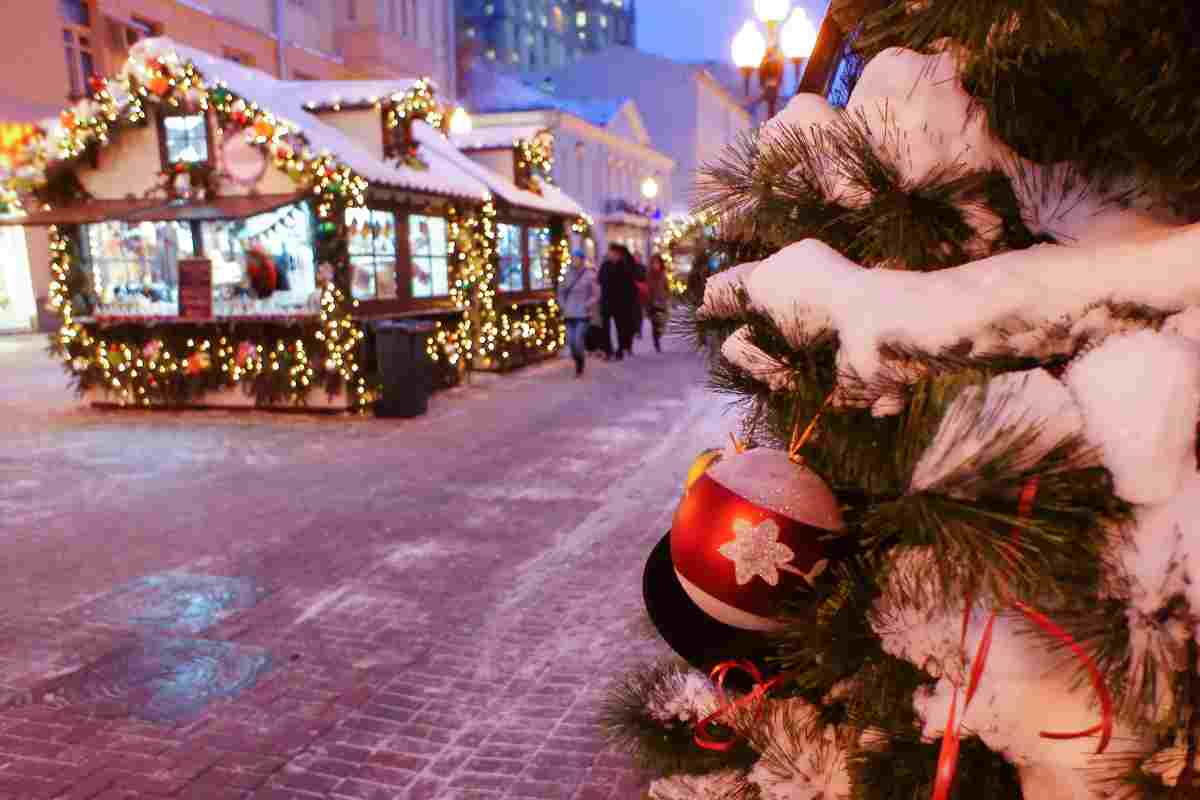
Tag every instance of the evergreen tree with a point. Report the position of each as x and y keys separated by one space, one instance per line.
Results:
x=976 y=278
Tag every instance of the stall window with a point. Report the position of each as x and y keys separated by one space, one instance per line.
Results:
x=185 y=139
x=263 y=265
x=135 y=267
x=541 y=259
x=372 y=236
x=512 y=265
x=428 y=244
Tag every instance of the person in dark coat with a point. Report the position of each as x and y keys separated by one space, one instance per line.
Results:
x=618 y=297
x=639 y=277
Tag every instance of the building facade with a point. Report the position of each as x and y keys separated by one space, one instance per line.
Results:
x=49 y=49
x=603 y=154
x=543 y=34
x=689 y=115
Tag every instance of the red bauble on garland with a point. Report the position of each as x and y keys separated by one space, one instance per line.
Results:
x=752 y=529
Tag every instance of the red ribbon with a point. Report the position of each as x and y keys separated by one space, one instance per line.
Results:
x=761 y=687
x=948 y=757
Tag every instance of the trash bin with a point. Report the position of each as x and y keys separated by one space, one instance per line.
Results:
x=405 y=370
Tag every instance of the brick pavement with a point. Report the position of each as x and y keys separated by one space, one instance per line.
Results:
x=443 y=601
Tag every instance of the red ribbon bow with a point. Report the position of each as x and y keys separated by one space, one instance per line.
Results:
x=703 y=736
x=948 y=757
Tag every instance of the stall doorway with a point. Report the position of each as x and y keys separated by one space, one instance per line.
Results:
x=17 y=306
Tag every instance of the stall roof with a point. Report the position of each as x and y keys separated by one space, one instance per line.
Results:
x=495 y=137
x=322 y=95
x=552 y=200
x=286 y=99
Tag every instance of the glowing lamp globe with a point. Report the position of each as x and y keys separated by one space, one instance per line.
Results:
x=772 y=10
x=649 y=188
x=749 y=47
x=798 y=37
x=460 y=122
x=752 y=529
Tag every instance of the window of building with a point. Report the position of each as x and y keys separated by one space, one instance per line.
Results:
x=352 y=10
x=185 y=139
x=471 y=33
x=489 y=9
x=512 y=265
x=544 y=21
x=491 y=54
x=603 y=20
x=541 y=269
x=514 y=56
x=135 y=267
x=75 y=12
x=560 y=20
x=137 y=29
x=297 y=75
x=429 y=249
x=77 y=44
x=580 y=19
x=372 y=240
x=282 y=281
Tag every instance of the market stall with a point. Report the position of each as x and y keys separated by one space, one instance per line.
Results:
x=220 y=236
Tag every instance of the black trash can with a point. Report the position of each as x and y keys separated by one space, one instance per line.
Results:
x=405 y=370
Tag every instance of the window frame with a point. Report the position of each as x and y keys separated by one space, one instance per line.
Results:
x=375 y=255
x=433 y=300
x=78 y=41
x=161 y=116
x=523 y=257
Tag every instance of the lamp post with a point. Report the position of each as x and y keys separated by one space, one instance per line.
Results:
x=789 y=38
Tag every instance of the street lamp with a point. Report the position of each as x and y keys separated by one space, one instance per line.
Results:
x=789 y=38
x=649 y=188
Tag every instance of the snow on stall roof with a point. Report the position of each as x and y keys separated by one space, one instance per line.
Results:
x=286 y=100
x=552 y=199
x=326 y=94
x=495 y=136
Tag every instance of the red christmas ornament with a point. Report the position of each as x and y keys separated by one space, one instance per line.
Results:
x=97 y=84
x=750 y=530
x=160 y=86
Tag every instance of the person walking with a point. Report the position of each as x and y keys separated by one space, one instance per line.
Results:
x=625 y=308
x=643 y=294
x=659 y=291
x=578 y=295
x=618 y=298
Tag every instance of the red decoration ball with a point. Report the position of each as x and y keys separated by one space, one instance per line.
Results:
x=749 y=531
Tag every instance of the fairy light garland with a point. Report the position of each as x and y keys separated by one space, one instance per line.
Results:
x=153 y=370
x=674 y=231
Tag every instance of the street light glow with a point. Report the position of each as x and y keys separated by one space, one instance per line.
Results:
x=649 y=188
x=460 y=122
x=749 y=47
x=772 y=10
x=798 y=37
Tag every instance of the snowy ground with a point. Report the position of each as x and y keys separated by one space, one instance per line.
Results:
x=441 y=601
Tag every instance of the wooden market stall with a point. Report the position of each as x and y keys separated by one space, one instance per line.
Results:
x=220 y=236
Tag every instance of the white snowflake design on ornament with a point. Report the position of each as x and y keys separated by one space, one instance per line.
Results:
x=757 y=552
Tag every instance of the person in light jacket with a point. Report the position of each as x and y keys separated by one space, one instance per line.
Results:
x=578 y=295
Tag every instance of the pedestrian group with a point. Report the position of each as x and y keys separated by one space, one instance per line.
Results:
x=620 y=295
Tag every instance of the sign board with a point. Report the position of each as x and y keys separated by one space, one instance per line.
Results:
x=195 y=288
